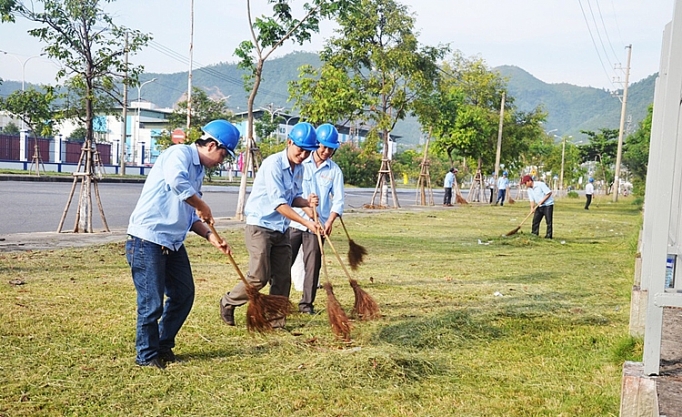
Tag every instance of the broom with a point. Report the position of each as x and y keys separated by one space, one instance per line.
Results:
x=365 y=306
x=356 y=253
x=262 y=307
x=337 y=317
x=517 y=228
x=460 y=200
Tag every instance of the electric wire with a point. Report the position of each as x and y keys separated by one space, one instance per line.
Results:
x=595 y=44
x=599 y=36
x=606 y=32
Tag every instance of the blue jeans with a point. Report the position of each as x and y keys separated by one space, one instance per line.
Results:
x=158 y=271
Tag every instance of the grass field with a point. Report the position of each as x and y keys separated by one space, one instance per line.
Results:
x=551 y=343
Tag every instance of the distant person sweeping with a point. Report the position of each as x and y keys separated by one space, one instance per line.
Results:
x=447 y=186
x=542 y=202
x=170 y=206
x=589 y=191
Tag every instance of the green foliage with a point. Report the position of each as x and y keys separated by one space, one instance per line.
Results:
x=89 y=46
x=602 y=148
x=34 y=107
x=204 y=110
x=373 y=70
x=573 y=194
x=11 y=129
x=636 y=148
x=359 y=168
x=79 y=134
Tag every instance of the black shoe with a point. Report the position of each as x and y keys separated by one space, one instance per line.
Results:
x=306 y=310
x=227 y=314
x=167 y=356
x=155 y=363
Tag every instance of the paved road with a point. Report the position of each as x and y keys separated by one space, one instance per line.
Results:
x=38 y=206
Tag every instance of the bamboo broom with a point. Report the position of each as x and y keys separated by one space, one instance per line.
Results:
x=356 y=253
x=262 y=308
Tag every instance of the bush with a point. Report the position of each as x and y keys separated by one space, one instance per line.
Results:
x=359 y=169
x=572 y=194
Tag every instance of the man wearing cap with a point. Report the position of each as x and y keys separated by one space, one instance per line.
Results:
x=170 y=205
x=276 y=189
x=321 y=177
x=541 y=202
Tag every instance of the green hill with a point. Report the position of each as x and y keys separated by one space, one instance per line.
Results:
x=570 y=108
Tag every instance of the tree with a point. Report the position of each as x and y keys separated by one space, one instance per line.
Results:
x=636 y=151
x=35 y=108
x=463 y=114
x=204 y=110
x=601 y=149
x=91 y=49
x=11 y=129
x=373 y=70
x=268 y=33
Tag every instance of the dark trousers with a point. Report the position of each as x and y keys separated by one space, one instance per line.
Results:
x=501 y=194
x=447 y=199
x=269 y=261
x=588 y=202
x=547 y=212
x=492 y=192
x=312 y=259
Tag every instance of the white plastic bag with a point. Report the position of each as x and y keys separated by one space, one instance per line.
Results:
x=298 y=271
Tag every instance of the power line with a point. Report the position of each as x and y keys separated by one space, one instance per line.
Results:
x=595 y=44
x=606 y=32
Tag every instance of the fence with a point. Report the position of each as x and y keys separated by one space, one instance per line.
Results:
x=10 y=150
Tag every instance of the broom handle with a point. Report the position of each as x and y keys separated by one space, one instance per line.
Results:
x=319 y=241
x=526 y=218
x=344 y=228
x=338 y=257
x=229 y=256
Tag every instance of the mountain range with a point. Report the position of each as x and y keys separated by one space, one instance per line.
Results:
x=570 y=108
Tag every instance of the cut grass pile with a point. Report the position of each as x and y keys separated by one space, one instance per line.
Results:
x=474 y=324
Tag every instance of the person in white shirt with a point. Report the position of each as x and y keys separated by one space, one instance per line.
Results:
x=502 y=185
x=589 y=191
x=448 y=182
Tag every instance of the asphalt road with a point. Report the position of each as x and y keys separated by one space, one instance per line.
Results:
x=38 y=206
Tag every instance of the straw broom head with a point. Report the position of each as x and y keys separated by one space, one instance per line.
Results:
x=366 y=308
x=461 y=200
x=356 y=254
x=514 y=231
x=337 y=317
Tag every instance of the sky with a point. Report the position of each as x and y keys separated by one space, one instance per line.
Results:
x=580 y=42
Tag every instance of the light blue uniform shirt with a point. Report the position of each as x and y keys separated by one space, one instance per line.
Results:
x=327 y=182
x=449 y=180
x=502 y=183
x=275 y=184
x=161 y=215
x=538 y=192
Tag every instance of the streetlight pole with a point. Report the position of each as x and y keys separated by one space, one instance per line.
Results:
x=563 y=153
x=23 y=73
x=137 y=130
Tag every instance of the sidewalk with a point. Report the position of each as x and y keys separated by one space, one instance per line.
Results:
x=53 y=240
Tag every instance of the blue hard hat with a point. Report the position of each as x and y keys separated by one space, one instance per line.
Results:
x=328 y=136
x=303 y=135
x=223 y=132
x=591 y=179
x=504 y=173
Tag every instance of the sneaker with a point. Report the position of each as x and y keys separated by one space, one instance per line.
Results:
x=154 y=363
x=227 y=314
x=167 y=356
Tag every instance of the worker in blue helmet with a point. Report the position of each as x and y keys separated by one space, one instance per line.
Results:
x=589 y=191
x=321 y=177
x=502 y=185
x=169 y=206
x=276 y=190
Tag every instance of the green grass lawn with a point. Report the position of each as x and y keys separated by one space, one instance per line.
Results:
x=551 y=343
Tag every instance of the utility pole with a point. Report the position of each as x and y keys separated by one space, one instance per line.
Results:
x=563 y=152
x=616 y=177
x=499 y=139
x=124 y=131
x=191 y=57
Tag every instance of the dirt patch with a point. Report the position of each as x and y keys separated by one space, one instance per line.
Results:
x=669 y=383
